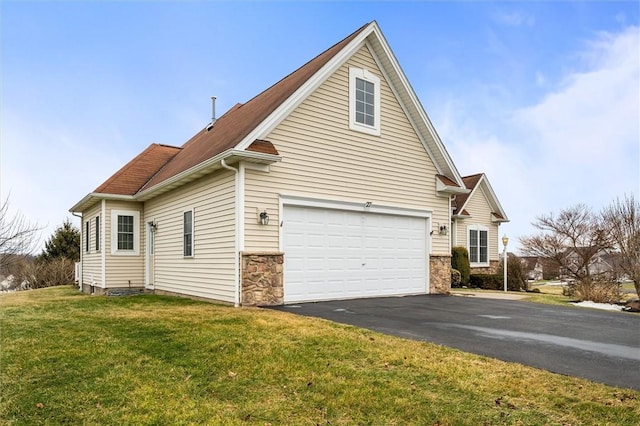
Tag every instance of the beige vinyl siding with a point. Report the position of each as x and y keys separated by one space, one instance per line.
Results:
x=123 y=271
x=210 y=272
x=323 y=158
x=91 y=260
x=479 y=208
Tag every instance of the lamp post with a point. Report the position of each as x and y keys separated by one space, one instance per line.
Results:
x=505 y=241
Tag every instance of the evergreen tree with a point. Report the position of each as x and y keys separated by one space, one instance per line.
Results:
x=65 y=242
x=460 y=262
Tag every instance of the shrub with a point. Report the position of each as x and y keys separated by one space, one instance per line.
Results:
x=598 y=290
x=39 y=274
x=487 y=281
x=455 y=278
x=460 y=262
x=516 y=278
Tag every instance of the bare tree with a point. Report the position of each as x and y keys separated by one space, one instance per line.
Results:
x=574 y=240
x=570 y=240
x=622 y=218
x=17 y=236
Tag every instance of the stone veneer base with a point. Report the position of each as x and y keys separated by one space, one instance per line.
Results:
x=261 y=279
x=440 y=274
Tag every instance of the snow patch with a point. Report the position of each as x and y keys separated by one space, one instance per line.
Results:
x=605 y=306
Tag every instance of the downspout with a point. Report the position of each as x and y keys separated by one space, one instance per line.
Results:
x=81 y=264
x=236 y=263
x=103 y=242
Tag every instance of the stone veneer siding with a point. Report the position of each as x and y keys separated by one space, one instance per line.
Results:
x=493 y=268
x=440 y=274
x=261 y=279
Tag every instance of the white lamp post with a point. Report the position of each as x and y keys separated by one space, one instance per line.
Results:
x=505 y=241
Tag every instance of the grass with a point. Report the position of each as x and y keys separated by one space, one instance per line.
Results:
x=68 y=358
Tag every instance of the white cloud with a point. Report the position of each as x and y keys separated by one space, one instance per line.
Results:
x=579 y=143
x=514 y=19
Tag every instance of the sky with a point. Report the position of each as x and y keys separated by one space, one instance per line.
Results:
x=543 y=97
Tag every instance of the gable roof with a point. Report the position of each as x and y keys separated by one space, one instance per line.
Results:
x=235 y=135
x=473 y=182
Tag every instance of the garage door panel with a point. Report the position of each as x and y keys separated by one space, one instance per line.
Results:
x=336 y=254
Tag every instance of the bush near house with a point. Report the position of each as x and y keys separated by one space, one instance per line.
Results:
x=460 y=262
x=486 y=281
x=456 y=278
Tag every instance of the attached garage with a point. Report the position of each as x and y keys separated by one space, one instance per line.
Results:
x=337 y=253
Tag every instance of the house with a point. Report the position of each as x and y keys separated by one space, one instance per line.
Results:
x=475 y=221
x=330 y=184
x=533 y=267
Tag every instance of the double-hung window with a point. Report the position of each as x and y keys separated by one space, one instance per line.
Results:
x=188 y=233
x=364 y=101
x=125 y=232
x=478 y=238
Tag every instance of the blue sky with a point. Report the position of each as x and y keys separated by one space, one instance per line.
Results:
x=544 y=97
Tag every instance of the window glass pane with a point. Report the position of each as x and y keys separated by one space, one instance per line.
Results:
x=188 y=233
x=98 y=233
x=483 y=247
x=125 y=232
x=365 y=101
x=473 y=246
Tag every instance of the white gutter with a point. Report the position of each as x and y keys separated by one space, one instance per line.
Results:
x=236 y=257
x=103 y=243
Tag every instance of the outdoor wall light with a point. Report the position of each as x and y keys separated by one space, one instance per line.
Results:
x=153 y=226
x=264 y=217
x=443 y=230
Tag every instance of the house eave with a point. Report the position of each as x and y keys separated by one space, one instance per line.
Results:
x=231 y=156
x=92 y=198
x=443 y=189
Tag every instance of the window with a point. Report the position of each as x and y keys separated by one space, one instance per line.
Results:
x=478 y=245
x=87 y=228
x=125 y=232
x=97 y=233
x=364 y=101
x=188 y=233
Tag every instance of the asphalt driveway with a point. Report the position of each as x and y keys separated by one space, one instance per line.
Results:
x=596 y=345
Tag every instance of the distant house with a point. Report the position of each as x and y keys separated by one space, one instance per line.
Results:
x=476 y=218
x=330 y=184
x=601 y=263
x=533 y=267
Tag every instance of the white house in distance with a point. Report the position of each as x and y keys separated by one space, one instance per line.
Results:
x=330 y=184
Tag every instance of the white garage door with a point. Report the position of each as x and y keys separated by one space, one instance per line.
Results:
x=336 y=254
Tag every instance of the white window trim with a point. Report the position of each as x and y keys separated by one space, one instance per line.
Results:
x=478 y=228
x=370 y=77
x=193 y=233
x=114 y=233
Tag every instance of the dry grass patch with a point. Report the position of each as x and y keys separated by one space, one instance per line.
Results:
x=68 y=358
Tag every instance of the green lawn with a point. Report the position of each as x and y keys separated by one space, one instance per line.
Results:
x=68 y=358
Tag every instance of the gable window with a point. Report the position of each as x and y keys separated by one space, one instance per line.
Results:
x=97 y=233
x=478 y=241
x=364 y=101
x=125 y=232
x=188 y=233
x=87 y=228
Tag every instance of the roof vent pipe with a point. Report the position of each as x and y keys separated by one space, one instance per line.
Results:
x=213 y=109
x=213 y=113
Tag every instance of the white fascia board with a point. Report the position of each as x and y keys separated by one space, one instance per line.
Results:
x=268 y=124
x=94 y=197
x=211 y=163
x=486 y=186
x=424 y=118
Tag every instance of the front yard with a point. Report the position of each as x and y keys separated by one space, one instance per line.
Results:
x=76 y=359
